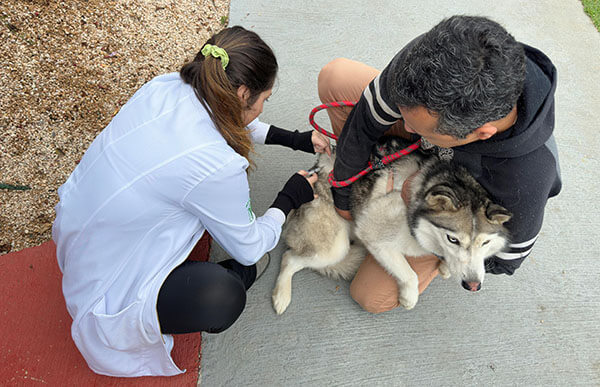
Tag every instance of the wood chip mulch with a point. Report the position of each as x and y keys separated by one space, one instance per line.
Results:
x=68 y=66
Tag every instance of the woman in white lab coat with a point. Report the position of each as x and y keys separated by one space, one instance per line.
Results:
x=170 y=166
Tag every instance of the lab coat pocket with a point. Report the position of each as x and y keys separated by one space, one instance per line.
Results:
x=122 y=331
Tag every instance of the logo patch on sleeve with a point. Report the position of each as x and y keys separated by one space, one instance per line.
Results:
x=250 y=212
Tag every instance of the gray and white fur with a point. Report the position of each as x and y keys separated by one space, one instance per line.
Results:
x=449 y=214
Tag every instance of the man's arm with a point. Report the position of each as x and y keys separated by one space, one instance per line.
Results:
x=522 y=186
x=373 y=115
x=509 y=261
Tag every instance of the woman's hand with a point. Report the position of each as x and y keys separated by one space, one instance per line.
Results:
x=312 y=179
x=320 y=143
x=296 y=192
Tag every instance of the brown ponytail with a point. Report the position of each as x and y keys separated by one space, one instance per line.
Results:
x=251 y=63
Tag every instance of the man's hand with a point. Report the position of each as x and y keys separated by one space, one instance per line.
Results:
x=320 y=143
x=344 y=214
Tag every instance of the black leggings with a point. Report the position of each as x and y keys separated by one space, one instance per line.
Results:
x=203 y=296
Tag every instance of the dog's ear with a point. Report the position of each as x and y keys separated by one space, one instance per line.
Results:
x=441 y=198
x=497 y=214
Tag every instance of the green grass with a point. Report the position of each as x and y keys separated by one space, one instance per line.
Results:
x=592 y=8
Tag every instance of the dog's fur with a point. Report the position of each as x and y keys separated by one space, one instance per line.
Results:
x=449 y=214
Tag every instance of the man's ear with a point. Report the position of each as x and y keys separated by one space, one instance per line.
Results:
x=486 y=131
x=243 y=94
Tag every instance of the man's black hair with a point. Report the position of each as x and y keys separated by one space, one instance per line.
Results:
x=467 y=70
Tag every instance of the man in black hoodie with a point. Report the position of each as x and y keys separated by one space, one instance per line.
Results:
x=473 y=94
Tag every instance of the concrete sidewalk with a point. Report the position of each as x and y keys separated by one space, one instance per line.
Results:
x=538 y=327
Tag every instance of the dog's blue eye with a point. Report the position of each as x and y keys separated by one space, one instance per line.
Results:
x=452 y=240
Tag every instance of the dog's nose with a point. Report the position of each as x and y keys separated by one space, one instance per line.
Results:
x=472 y=286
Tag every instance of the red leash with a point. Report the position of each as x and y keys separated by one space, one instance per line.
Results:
x=370 y=167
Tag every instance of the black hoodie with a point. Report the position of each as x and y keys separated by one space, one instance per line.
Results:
x=518 y=167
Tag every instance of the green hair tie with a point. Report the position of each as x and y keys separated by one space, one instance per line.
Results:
x=216 y=52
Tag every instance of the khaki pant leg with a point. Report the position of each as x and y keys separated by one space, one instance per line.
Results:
x=344 y=80
x=376 y=291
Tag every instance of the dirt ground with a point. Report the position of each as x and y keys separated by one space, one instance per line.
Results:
x=68 y=66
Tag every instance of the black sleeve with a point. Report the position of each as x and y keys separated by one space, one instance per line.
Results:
x=523 y=186
x=295 y=140
x=374 y=114
x=495 y=265
x=295 y=192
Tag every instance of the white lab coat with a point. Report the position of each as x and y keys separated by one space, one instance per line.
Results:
x=151 y=183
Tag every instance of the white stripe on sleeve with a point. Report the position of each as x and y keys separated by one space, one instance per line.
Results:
x=523 y=244
x=382 y=103
x=510 y=256
x=369 y=97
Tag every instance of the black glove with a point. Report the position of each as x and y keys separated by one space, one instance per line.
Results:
x=295 y=140
x=295 y=193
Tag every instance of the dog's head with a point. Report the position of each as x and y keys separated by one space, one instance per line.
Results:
x=462 y=226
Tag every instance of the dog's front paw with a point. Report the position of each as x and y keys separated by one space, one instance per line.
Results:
x=444 y=271
x=282 y=296
x=408 y=296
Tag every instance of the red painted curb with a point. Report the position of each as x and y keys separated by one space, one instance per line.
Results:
x=36 y=345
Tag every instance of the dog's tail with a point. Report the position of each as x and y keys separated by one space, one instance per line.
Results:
x=348 y=266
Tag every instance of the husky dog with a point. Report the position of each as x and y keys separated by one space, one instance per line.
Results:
x=448 y=214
